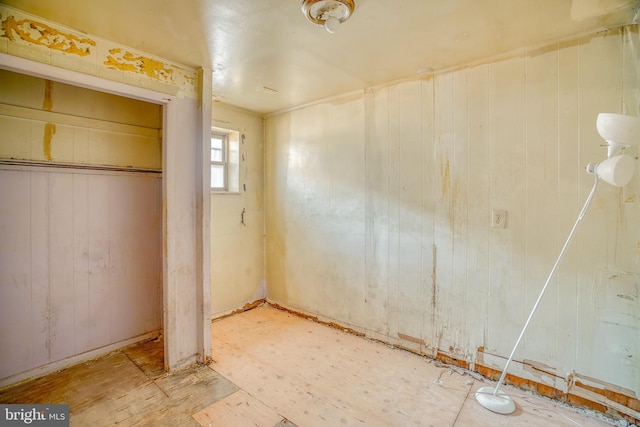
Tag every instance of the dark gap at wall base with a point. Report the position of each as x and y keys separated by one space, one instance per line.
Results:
x=572 y=397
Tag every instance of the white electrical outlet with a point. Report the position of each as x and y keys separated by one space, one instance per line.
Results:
x=498 y=218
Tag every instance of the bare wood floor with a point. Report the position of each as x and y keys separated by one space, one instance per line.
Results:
x=126 y=387
x=272 y=368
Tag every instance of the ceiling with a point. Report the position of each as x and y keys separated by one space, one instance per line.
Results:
x=256 y=44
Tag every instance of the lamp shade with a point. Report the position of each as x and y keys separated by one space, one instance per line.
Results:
x=616 y=170
x=618 y=130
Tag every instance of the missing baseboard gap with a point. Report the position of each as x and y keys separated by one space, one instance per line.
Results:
x=246 y=307
x=316 y=319
x=450 y=360
x=621 y=406
x=607 y=402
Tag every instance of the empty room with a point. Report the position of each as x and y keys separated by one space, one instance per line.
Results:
x=320 y=213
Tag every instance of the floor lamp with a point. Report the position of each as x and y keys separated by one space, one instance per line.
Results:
x=620 y=131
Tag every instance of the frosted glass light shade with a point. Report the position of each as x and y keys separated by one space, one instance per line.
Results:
x=332 y=24
x=329 y=13
x=616 y=170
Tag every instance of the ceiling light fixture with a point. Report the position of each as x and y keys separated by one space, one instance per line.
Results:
x=620 y=131
x=328 y=13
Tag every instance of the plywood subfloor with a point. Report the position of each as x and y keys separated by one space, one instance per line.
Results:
x=314 y=375
x=272 y=368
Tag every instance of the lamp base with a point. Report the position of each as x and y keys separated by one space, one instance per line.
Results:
x=500 y=403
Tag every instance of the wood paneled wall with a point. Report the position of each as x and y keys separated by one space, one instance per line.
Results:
x=379 y=213
x=80 y=247
x=237 y=219
x=47 y=121
x=80 y=263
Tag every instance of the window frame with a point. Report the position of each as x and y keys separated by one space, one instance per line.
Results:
x=224 y=162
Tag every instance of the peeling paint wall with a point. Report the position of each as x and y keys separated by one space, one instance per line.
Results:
x=237 y=219
x=379 y=213
x=32 y=37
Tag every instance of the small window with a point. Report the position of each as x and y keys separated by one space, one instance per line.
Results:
x=225 y=160
x=219 y=165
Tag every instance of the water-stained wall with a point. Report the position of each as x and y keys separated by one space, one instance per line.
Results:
x=379 y=210
x=237 y=219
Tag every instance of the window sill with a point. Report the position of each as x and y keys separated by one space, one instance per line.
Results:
x=223 y=193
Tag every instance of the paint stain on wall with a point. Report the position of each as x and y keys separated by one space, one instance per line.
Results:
x=47 y=103
x=127 y=61
x=49 y=131
x=50 y=319
x=41 y=34
x=445 y=172
x=434 y=286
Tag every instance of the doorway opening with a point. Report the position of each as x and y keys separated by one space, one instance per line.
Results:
x=82 y=176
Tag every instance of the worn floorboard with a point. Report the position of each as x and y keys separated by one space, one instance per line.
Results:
x=272 y=368
x=148 y=357
x=126 y=387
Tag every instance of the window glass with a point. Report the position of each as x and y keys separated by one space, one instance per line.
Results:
x=217 y=153
x=225 y=160
x=217 y=176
